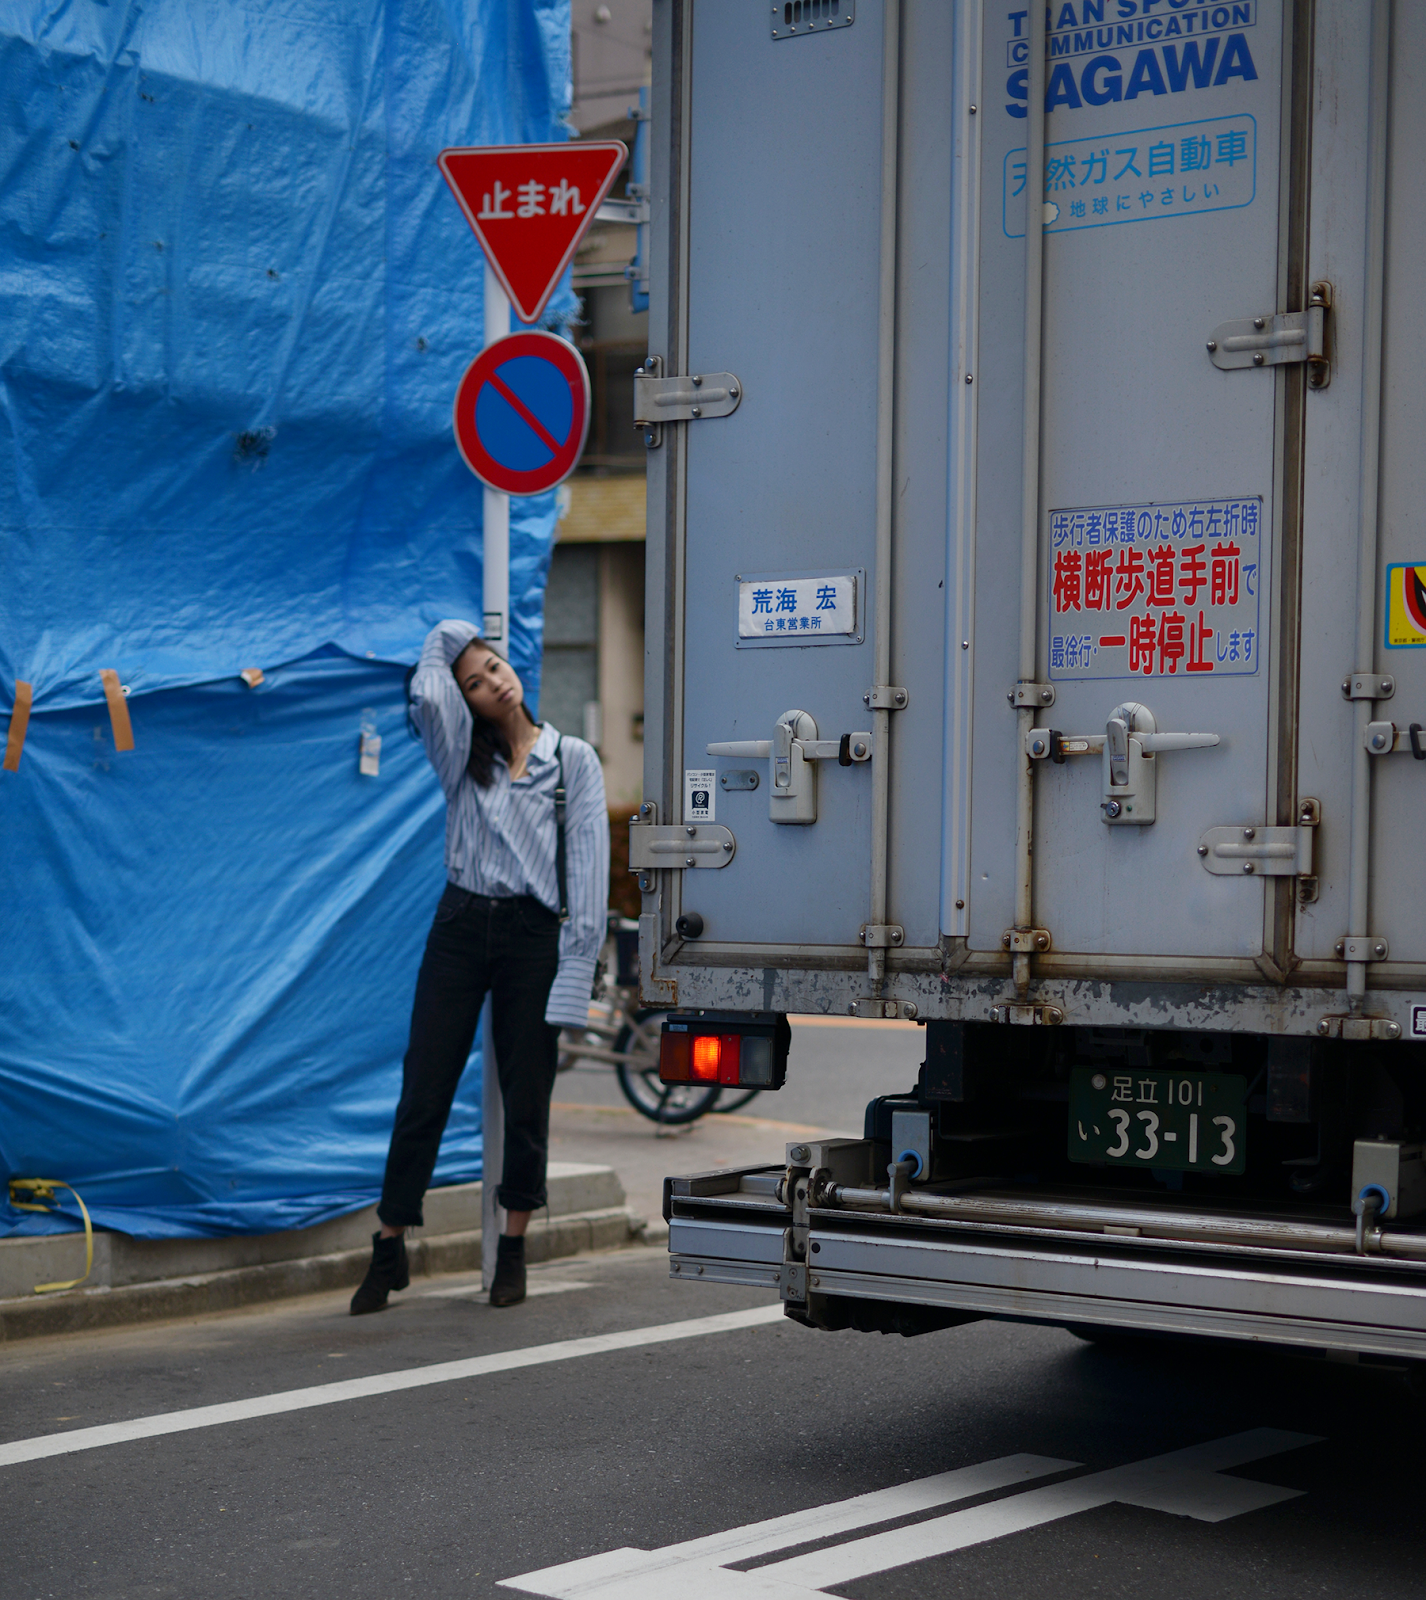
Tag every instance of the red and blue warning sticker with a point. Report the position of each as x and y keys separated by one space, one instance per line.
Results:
x=522 y=412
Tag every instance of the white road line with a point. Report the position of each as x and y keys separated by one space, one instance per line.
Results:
x=1184 y=1483
x=780 y=1533
x=326 y=1394
x=471 y=1290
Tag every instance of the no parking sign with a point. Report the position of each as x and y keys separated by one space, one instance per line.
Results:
x=522 y=412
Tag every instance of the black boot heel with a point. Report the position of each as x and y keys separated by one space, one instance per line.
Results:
x=508 y=1286
x=389 y=1270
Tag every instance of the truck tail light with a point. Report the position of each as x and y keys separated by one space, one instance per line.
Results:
x=721 y=1050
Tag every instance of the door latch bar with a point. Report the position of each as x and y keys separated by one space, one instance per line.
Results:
x=1384 y=737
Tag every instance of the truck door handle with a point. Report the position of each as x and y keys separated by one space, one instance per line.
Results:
x=854 y=746
x=754 y=749
x=792 y=756
x=1128 y=744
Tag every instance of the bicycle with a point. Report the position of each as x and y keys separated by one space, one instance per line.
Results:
x=625 y=1035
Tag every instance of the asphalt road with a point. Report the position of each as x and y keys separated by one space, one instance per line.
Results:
x=497 y=1470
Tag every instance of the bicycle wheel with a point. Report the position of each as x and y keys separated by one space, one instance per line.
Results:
x=668 y=1103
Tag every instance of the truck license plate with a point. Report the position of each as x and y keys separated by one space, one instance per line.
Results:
x=1183 y=1121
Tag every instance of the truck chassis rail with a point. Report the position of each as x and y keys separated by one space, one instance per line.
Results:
x=1315 y=1292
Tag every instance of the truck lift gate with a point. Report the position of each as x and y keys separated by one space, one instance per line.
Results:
x=1037 y=622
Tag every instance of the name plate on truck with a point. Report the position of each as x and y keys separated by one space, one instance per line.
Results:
x=1182 y=1121
x=799 y=608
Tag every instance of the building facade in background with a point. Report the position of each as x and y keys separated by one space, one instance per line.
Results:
x=593 y=671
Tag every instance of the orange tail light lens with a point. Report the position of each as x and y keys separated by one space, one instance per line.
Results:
x=707 y=1049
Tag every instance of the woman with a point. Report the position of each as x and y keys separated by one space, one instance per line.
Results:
x=522 y=917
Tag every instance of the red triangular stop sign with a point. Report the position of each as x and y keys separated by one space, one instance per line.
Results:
x=529 y=205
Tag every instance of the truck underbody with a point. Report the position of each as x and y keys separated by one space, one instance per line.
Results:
x=1002 y=1224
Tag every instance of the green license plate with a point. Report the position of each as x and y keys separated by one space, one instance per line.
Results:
x=1183 y=1121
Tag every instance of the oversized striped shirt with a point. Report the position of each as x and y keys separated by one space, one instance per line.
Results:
x=500 y=841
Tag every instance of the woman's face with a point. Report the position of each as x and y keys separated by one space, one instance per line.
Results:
x=489 y=684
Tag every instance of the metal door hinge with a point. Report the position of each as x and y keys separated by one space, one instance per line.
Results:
x=1025 y=941
x=886 y=1010
x=1273 y=341
x=1357 y=1027
x=703 y=844
x=887 y=697
x=1229 y=852
x=1368 y=686
x=887 y=936
x=1028 y=1016
x=689 y=398
x=647 y=812
x=1365 y=948
x=1033 y=695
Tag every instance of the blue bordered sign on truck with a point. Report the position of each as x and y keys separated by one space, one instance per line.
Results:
x=522 y=412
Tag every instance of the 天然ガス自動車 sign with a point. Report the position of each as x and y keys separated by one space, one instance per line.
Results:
x=522 y=412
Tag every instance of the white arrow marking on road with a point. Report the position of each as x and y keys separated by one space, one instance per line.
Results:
x=1185 y=1483
x=677 y=1562
x=326 y=1394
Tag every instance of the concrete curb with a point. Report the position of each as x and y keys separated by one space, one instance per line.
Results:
x=561 y=1232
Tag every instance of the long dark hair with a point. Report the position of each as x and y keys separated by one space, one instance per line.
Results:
x=486 y=740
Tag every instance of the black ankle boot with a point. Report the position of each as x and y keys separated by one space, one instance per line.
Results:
x=508 y=1288
x=388 y=1271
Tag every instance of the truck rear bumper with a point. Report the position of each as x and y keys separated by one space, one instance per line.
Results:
x=1329 y=1303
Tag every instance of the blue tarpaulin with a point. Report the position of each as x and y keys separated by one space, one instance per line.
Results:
x=236 y=299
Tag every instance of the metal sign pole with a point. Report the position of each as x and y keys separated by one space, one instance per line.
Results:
x=495 y=602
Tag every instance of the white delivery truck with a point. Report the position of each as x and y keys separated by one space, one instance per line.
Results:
x=1037 y=650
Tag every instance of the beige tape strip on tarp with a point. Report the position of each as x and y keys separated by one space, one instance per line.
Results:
x=19 y=721
x=118 y=709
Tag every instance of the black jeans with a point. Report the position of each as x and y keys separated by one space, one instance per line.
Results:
x=510 y=948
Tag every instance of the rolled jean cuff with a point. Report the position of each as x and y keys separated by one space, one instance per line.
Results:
x=396 y=1216
x=520 y=1199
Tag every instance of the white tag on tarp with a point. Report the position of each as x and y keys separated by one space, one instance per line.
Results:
x=698 y=790
x=370 y=763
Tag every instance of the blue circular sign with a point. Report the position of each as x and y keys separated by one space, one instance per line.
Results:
x=522 y=412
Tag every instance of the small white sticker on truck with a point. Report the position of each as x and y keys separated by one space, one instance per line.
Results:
x=698 y=791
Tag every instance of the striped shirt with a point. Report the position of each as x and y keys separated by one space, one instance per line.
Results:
x=500 y=841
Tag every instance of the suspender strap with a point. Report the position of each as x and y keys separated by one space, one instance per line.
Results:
x=560 y=799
